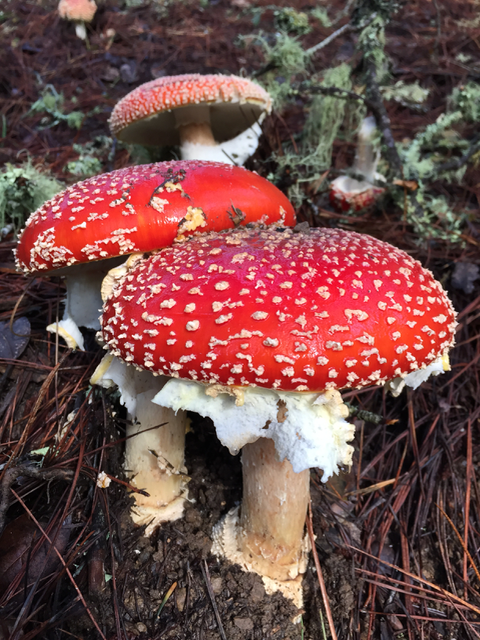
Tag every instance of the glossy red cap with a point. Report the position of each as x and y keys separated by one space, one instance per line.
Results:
x=142 y=208
x=283 y=310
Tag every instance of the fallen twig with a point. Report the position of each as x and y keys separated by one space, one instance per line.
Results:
x=208 y=583
x=321 y=581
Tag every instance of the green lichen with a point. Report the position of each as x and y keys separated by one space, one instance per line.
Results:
x=325 y=116
x=285 y=19
x=22 y=190
x=406 y=94
x=287 y=58
x=371 y=42
x=325 y=122
x=291 y=21
x=320 y=13
x=432 y=217
x=91 y=157
x=466 y=99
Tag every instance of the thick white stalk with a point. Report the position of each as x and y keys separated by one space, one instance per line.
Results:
x=273 y=512
x=154 y=453
x=154 y=461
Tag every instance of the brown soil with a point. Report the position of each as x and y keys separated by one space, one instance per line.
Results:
x=412 y=487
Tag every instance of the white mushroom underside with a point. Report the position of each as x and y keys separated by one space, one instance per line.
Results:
x=415 y=378
x=311 y=431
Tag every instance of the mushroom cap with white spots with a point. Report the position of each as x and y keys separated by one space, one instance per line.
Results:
x=144 y=116
x=282 y=310
x=143 y=208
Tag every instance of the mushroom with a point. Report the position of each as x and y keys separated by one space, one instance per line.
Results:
x=131 y=211
x=212 y=117
x=262 y=330
x=84 y=231
x=349 y=194
x=80 y=12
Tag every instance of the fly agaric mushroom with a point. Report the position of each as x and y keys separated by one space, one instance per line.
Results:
x=80 y=231
x=130 y=211
x=349 y=194
x=259 y=330
x=80 y=12
x=212 y=117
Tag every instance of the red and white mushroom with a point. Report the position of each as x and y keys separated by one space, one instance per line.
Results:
x=211 y=117
x=80 y=12
x=349 y=194
x=260 y=330
x=80 y=231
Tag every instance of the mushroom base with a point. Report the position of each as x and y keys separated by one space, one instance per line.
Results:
x=226 y=535
x=268 y=535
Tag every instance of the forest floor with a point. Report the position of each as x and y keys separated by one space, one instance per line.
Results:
x=398 y=536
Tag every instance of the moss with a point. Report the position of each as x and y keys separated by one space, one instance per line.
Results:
x=325 y=116
x=22 y=190
x=289 y=20
x=288 y=58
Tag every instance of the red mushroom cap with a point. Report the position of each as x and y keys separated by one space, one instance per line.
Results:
x=283 y=310
x=143 y=208
x=238 y=102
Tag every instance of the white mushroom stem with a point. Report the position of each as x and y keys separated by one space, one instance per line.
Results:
x=80 y=29
x=83 y=304
x=154 y=454
x=198 y=143
x=282 y=434
x=273 y=512
x=366 y=158
x=193 y=124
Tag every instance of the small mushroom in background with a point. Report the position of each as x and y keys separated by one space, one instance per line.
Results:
x=211 y=117
x=259 y=330
x=80 y=12
x=349 y=194
x=84 y=231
